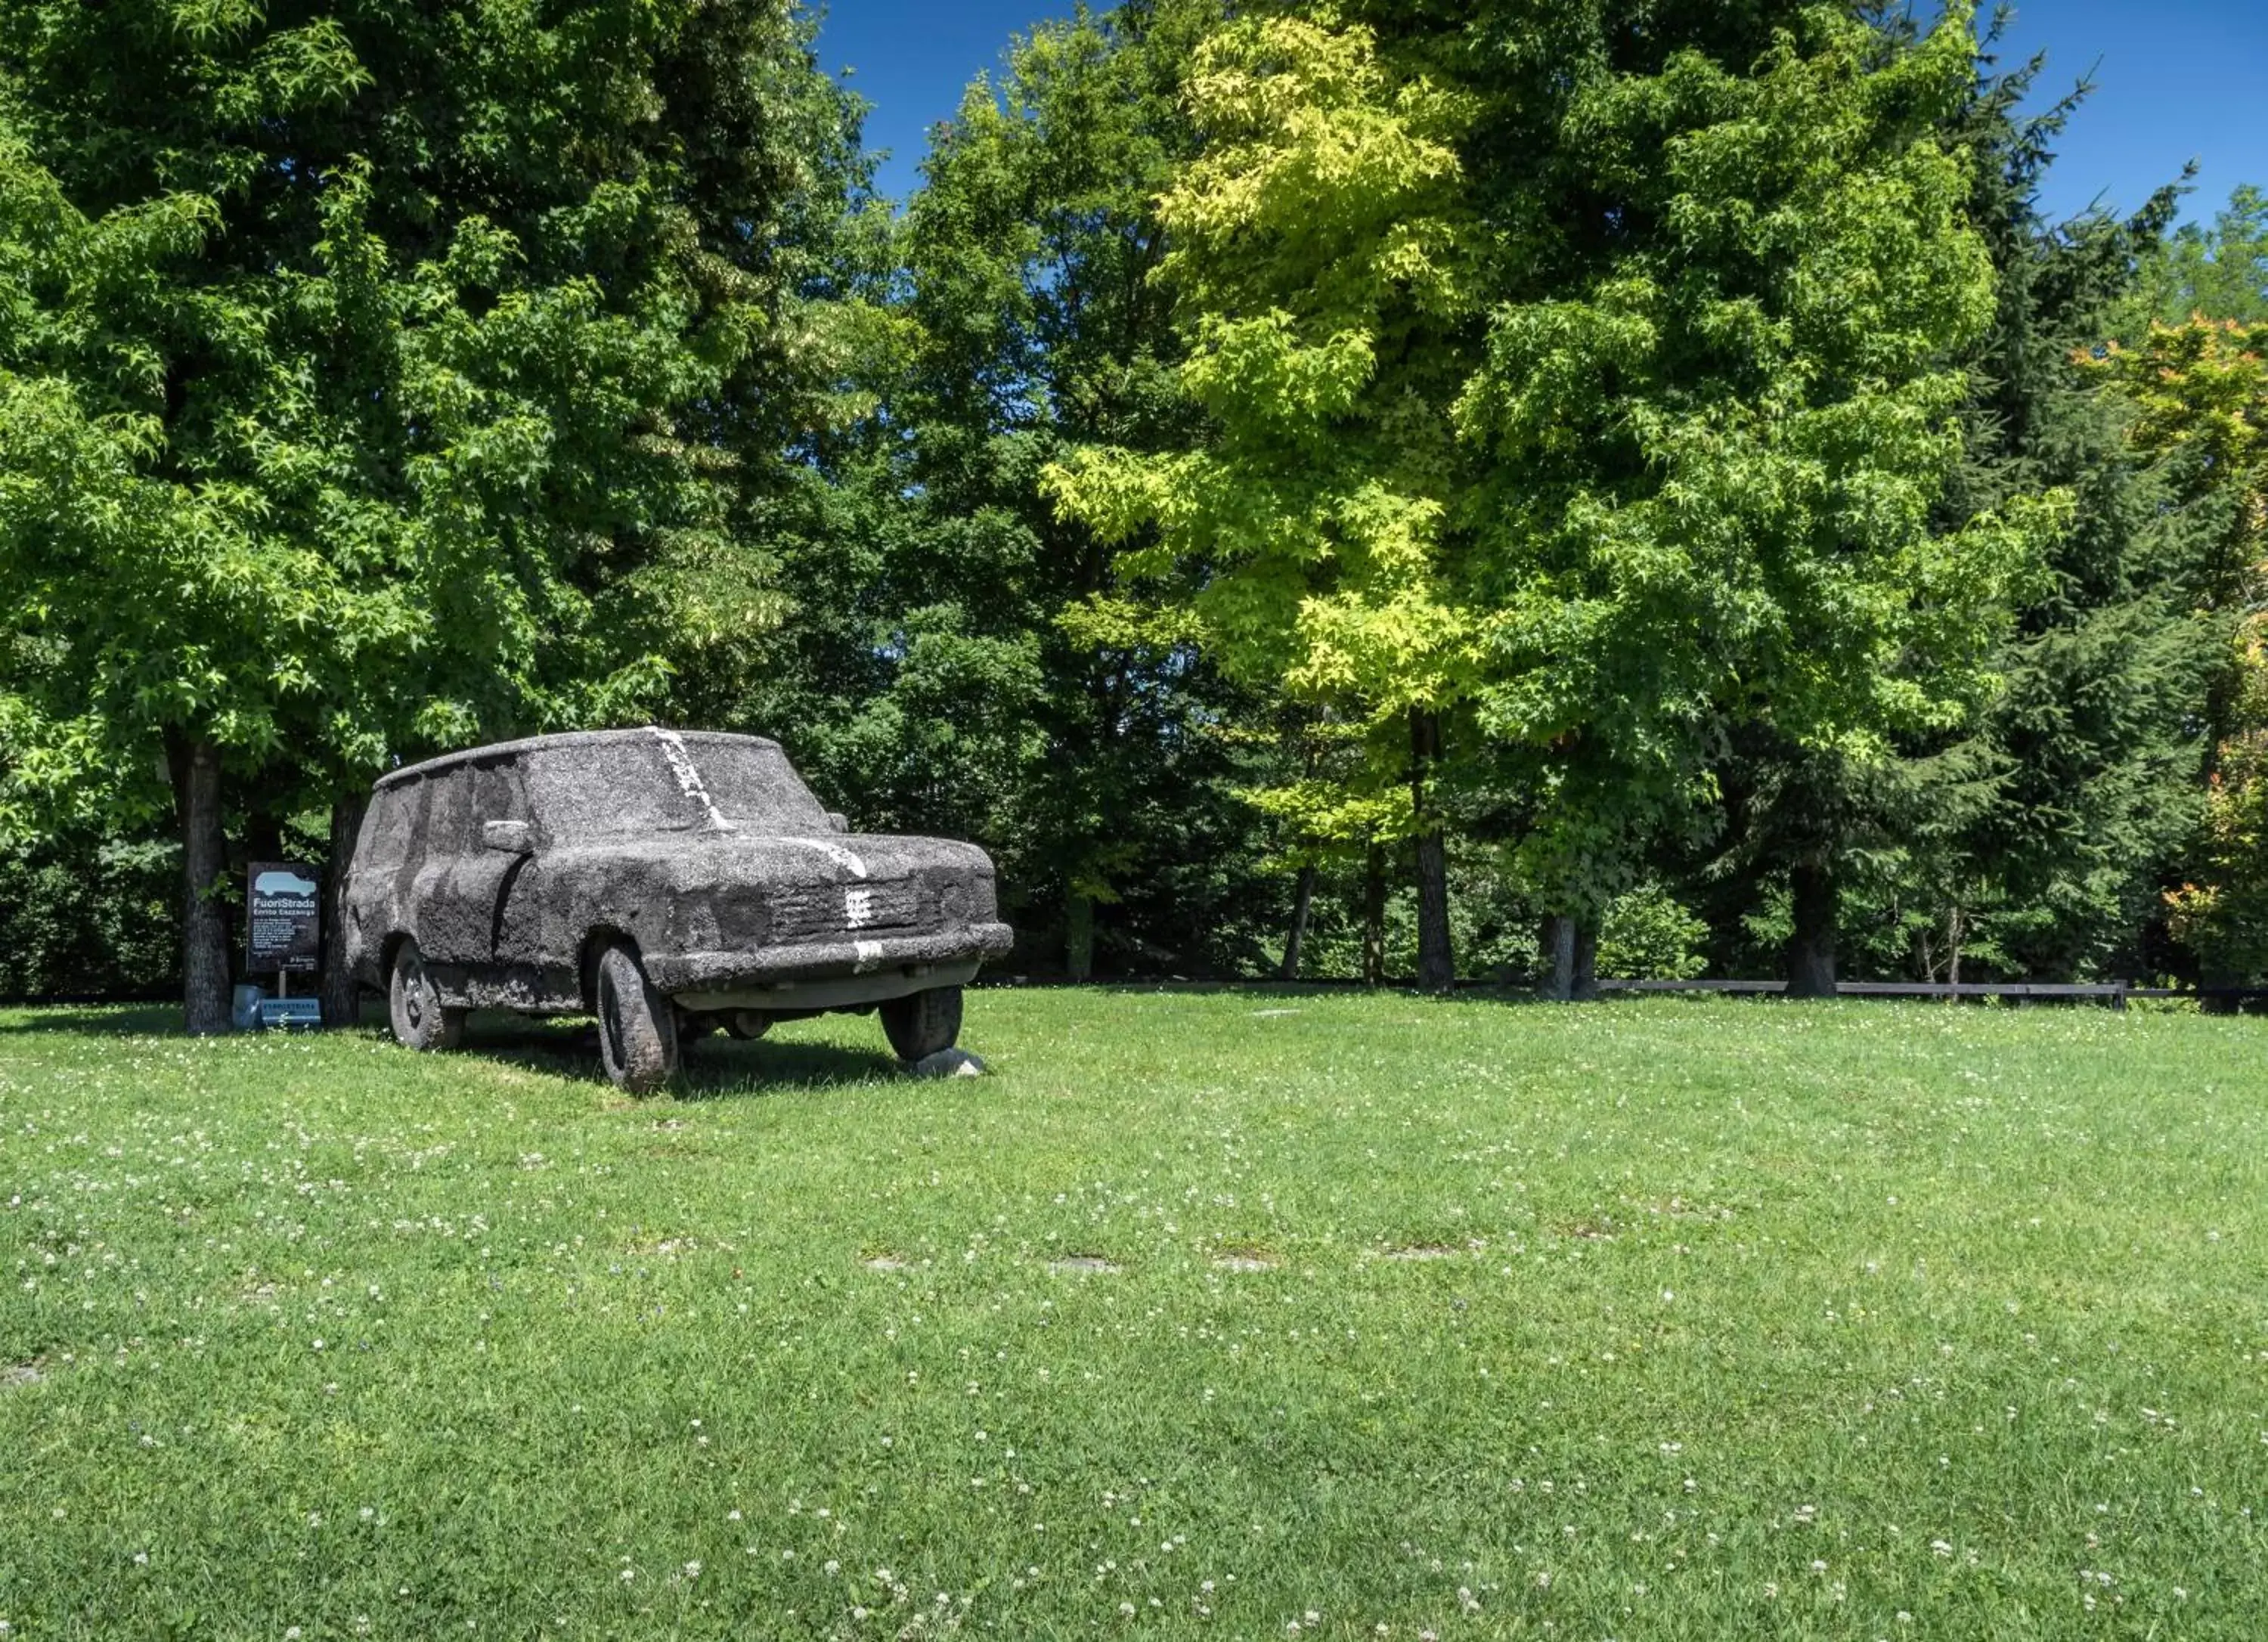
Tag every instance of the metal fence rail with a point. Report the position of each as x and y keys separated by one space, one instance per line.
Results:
x=2112 y=992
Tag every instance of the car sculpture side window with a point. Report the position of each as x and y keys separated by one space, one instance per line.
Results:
x=672 y=883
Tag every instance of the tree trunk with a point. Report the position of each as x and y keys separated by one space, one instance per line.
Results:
x=1571 y=962
x=1953 y=932
x=1811 y=947
x=263 y=835
x=1583 y=984
x=195 y=765
x=1554 y=980
x=341 y=992
x=1303 y=901
x=1079 y=936
x=1374 y=916
x=1437 y=969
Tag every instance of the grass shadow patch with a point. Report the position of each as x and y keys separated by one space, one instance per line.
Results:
x=106 y=1020
x=720 y=1067
x=711 y=1068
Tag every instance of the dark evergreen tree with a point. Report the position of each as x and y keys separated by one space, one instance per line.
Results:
x=2047 y=836
x=954 y=657
x=2035 y=840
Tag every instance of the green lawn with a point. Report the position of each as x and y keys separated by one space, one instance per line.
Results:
x=1653 y=1319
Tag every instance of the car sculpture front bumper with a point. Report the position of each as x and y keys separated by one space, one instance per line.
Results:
x=827 y=973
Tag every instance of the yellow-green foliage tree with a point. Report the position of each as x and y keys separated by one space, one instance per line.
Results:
x=2201 y=389
x=1323 y=259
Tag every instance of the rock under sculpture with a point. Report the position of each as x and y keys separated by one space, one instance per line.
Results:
x=670 y=883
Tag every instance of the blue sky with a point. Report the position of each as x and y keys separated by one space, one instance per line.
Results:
x=2176 y=80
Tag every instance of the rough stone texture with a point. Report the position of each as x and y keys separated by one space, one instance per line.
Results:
x=949 y=1064
x=510 y=866
x=1081 y=1263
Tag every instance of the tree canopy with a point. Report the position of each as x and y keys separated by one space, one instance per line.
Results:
x=1504 y=488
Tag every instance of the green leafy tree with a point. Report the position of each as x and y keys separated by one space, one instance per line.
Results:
x=960 y=657
x=383 y=377
x=2218 y=269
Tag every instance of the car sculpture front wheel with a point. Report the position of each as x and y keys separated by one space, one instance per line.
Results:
x=922 y=1024
x=637 y=1027
x=420 y=1019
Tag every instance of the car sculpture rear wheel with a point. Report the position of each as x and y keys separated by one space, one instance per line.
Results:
x=421 y=1021
x=922 y=1024
x=637 y=1027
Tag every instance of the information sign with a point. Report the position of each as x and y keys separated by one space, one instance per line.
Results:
x=284 y=918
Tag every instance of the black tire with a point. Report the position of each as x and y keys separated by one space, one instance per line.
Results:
x=921 y=1023
x=420 y=1019
x=637 y=1027
x=747 y=1024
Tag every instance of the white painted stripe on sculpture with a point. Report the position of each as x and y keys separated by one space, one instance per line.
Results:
x=689 y=777
x=845 y=858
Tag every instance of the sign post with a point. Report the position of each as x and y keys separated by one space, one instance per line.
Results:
x=283 y=933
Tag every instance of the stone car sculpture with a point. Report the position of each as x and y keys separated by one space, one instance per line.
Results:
x=669 y=883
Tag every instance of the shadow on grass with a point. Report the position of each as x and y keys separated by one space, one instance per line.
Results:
x=713 y=1067
x=95 y=1021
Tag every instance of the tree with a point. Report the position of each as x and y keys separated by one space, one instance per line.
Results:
x=404 y=358
x=959 y=656
x=1715 y=435
x=1317 y=251
x=2220 y=270
x=2199 y=391
x=2039 y=833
